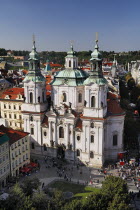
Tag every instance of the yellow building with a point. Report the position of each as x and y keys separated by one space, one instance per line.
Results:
x=4 y=159
x=10 y=102
x=19 y=142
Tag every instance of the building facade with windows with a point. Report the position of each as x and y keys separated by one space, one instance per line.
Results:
x=4 y=159
x=84 y=122
x=19 y=148
x=11 y=101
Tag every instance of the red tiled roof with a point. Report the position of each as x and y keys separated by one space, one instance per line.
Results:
x=13 y=135
x=45 y=121
x=13 y=93
x=78 y=124
x=113 y=106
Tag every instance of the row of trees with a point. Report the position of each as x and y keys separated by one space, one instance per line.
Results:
x=113 y=195
x=58 y=57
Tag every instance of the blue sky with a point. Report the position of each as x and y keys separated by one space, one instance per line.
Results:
x=56 y=22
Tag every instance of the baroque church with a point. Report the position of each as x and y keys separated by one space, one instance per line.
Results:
x=84 y=122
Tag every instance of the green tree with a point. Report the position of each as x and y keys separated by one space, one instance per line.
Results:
x=114 y=185
x=40 y=201
x=29 y=185
x=18 y=200
x=119 y=203
x=57 y=201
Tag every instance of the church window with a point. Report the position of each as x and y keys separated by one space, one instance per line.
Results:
x=15 y=116
x=45 y=148
x=38 y=99
x=9 y=115
x=69 y=63
x=115 y=140
x=31 y=97
x=32 y=131
x=74 y=64
x=19 y=107
x=93 y=101
x=61 y=132
x=64 y=97
x=20 y=117
x=78 y=138
x=5 y=115
x=92 y=139
x=80 y=97
x=4 y=106
x=14 y=106
x=45 y=133
x=31 y=118
x=9 y=106
x=33 y=145
x=91 y=155
x=78 y=152
x=92 y=125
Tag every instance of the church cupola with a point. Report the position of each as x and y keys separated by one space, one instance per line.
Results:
x=71 y=61
x=34 y=73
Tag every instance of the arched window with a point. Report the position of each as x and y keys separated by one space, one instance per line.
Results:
x=92 y=139
x=45 y=148
x=80 y=97
x=115 y=140
x=38 y=99
x=31 y=118
x=78 y=152
x=91 y=155
x=32 y=131
x=93 y=101
x=69 y=63
x=64 y=97
x=19 y=107
x=92 y=125
x=33 y=145
x=31 y=97
x=61 y=132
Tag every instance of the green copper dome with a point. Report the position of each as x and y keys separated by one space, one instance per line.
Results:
x=71 y=77
x=96 y=55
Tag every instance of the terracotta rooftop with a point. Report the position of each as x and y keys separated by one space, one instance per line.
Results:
x=113 y=106
x=45 y=121
x=13 y=135
x=13 y=93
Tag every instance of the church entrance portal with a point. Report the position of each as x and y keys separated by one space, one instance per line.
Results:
x=60 y=152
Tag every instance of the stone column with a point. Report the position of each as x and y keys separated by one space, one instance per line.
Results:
x=50 y=131
x=55 y=134
x=67 y=135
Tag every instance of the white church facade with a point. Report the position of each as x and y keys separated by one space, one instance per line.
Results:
x=84 y=122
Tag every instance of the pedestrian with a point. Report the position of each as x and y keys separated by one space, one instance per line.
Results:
x=42 y=185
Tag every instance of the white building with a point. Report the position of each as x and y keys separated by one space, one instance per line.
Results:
x=85 y=121
x=135 y=71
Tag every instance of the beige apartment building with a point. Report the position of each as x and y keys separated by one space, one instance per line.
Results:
x=4 y=159
x=19 y=143
x=10 y=103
